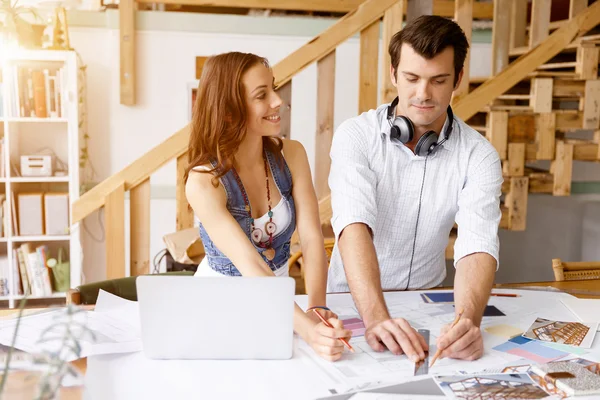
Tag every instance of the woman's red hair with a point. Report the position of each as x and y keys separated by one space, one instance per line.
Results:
x=218 y=124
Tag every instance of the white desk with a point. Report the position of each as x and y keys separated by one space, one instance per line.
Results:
x=132 y=376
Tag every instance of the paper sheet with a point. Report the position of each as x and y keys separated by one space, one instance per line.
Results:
x=503 y=330
x=114 y=330
x=390 y=396
x=367 y=368
x=586 y=310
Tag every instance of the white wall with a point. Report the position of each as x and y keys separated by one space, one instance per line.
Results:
x=166 y=67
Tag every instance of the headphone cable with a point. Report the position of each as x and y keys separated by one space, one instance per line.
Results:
x=417 y=223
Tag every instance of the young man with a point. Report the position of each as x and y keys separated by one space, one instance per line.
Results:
x=397 y=187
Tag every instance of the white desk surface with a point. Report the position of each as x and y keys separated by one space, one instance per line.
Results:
x=133 y=376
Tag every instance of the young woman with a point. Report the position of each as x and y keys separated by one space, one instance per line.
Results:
x=251 y=190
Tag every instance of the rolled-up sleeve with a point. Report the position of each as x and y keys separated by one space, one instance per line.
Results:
x=479 y=214
x=352 y=181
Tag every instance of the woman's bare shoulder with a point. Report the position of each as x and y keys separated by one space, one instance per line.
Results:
x=200 y=187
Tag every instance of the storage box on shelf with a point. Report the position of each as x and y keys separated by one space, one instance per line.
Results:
x=39 y=173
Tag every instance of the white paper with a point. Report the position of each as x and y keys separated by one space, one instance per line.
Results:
x=586 y=310
x=391 y=396
x=108 y=334
x=367 y=368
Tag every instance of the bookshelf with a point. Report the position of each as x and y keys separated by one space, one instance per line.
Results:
x=39 y=116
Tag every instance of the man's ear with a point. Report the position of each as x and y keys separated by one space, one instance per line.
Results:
x=393 y=75
x=460 y=76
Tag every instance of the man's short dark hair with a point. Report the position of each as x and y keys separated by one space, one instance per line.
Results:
x=429 y=35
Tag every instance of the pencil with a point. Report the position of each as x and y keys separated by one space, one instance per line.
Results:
x=439 y=351
x=504 y=294
x=327 y=324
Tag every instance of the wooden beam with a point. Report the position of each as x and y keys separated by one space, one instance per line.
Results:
x=521 y=128
x=463 y=15
x=445 y=8
x=500 y=35
x=516 y=159
x=324 y=137
x=114 y=221
x=518 y=70
x=369 y=55
x=576 y=6
x=321 y=45
x=541 y=95
x=597 y=142
x=392 y=23
x=562 y=168
x=339 y=6
x=139 y=228
x=591 y=105
x=586 y=66
x=545 y=134
x=540 y=21
x=285 y=111
x=132 y=175
x=127 y=51
x=497 y=132
x=568 y=88
x=184 y=216
x=518 y=23
x=416 y=8
x=517 y=203
x=569 y=121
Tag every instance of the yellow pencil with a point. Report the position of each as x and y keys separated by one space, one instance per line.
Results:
x=439 y=351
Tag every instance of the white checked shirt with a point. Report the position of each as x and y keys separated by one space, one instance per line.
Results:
x=377 y=182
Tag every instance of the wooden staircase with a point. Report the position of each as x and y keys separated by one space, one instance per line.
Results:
x=478 y=107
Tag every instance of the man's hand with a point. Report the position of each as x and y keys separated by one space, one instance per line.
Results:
x=463 y=342
x=397 y=336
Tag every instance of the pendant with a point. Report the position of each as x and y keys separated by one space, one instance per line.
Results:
x=269 y=253
x=256 y=235
x=270 y=227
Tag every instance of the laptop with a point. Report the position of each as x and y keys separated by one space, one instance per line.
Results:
x=230 y=318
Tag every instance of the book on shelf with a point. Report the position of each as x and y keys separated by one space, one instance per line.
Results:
x=2 y=167
x=4 y=219
x=36 y=91
x=4 y=286
x=33 y=268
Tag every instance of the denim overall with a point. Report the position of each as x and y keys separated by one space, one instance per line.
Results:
x=236 y=206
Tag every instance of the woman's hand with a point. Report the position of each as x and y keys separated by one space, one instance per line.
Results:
x=325 y=341
x=324 y=313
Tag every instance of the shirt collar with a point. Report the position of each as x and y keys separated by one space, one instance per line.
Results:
x=448 y=145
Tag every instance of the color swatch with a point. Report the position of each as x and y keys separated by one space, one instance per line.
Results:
x=505 y=331
x=355 y=325
x=530 y=349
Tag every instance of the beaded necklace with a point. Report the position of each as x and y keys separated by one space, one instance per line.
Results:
x=270 y=226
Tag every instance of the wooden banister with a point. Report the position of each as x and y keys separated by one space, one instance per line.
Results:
x=114 y=220
x=184 y=216
x=175 y=146
x=321 y=45
x=132 y=175
x=139 y=226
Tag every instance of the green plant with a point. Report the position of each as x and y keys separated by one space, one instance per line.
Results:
x=15 y=26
